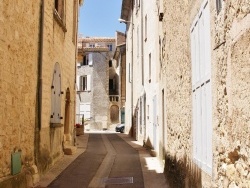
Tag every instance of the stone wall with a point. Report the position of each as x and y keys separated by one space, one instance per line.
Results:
x=232 y=98
x=18 y=80
x=58 y=48
x=176 y=78
x=19 y=61
x=230 y=93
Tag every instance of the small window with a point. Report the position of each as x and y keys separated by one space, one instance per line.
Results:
x=59 y=7
x=110 y=63
x=110 y=47
x=85 y=60
x=112 y=86
x=84 y=83
x=91 y=45
x=146 y=28
x=149 y=68
x=218 y=6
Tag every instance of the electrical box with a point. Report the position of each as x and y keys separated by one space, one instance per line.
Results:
x=16 y=164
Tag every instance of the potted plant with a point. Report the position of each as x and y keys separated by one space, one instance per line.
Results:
x=79 y=129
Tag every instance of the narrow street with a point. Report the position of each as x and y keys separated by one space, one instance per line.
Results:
x=109 y=161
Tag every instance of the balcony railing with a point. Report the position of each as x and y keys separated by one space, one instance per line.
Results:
x=114 y=98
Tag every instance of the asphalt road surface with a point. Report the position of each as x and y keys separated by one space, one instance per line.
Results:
x=107 y=162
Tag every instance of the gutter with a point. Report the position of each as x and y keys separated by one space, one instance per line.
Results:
x=38 y=120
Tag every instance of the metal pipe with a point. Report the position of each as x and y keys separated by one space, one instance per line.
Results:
x=38 y=124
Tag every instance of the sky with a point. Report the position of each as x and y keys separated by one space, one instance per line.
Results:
x=99 y=18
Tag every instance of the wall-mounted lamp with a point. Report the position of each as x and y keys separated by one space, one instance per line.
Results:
x=123 y=21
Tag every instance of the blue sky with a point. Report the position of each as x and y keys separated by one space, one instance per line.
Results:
x=99 y=18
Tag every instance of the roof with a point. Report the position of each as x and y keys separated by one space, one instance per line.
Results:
x=97 y=39
x=126 y=7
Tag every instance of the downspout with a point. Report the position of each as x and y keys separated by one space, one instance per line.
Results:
x=142 y=45
x=39 y=85
x=142 y=67
x=132 y=79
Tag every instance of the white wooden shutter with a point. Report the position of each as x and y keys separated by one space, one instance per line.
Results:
x=90 y=59
x=88 y=82
x=77 y=82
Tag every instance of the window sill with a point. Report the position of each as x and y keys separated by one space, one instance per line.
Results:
x=56 y=125
x=79 y=91
x=60 y=21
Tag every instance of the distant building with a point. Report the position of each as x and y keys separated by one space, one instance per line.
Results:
x=96 y=83
x=120 y=64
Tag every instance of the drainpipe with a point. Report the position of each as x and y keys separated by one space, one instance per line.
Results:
x=39 y=85
x=132 y=77
x=142 y=67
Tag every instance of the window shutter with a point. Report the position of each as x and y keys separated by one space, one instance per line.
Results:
x=90 y=59
x=88 y=82
x=77 y=82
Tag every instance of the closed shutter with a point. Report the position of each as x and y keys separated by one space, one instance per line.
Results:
x=85 y=110
x=88 y=82
x=201 y=87
x=77 y=82
x=90 y=59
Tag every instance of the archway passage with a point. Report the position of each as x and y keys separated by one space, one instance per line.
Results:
x=114 y=114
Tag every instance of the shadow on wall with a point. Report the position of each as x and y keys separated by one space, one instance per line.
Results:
x=182 y=173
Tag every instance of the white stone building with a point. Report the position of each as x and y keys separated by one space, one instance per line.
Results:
x=192 y=107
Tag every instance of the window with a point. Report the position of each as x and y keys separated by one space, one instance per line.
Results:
x=59 y=7
x=137 y=5
x=87 y=59
x=130 y=72
x=91 y=45
x=149 y=68
x=201 y=90
x=218 y=6
x=137 y=41
x=74 y=22
x=85 y=110
x=110 y=63
x=146 y=26
x=84 y=83
x=112 y=84
x=110 y=47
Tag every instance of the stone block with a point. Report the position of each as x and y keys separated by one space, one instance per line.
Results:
x=69 y=150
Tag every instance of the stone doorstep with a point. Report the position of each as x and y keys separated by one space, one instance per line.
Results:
x=69 y=150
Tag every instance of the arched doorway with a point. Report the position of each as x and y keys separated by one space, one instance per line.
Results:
x=114 y=114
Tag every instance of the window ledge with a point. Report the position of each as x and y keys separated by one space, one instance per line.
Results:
x=56 y=125
x=59 y=21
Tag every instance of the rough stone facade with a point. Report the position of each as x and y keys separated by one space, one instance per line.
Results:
x=37 y=43
x=18 y=80
x=197 y=152
x=231 y=34
x=230 y=94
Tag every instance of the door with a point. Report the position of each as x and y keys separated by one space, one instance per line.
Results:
x=154 y=123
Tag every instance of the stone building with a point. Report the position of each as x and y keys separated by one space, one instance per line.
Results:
x=202 y=89
x=37 y=84
x=120 y=68
x=96 y=82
